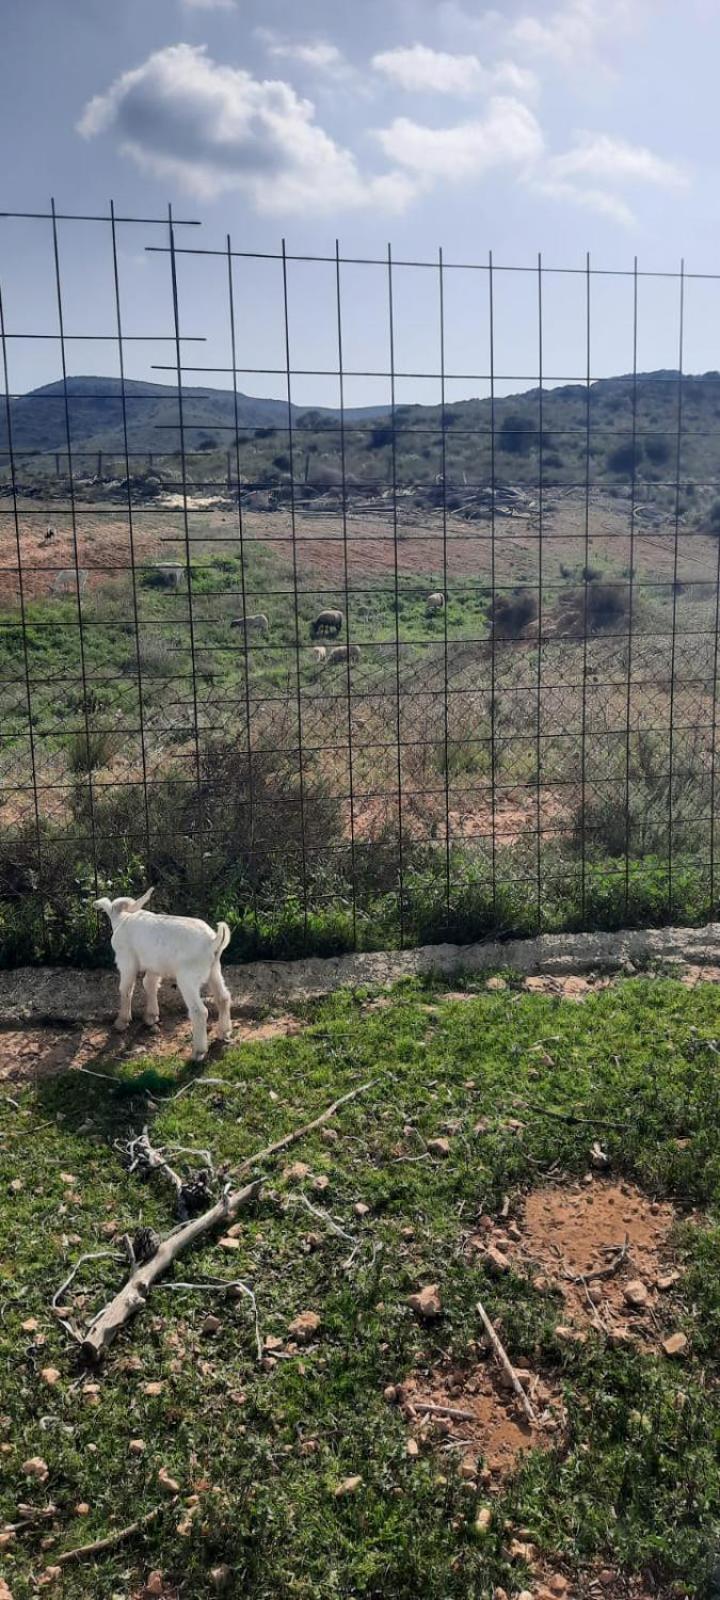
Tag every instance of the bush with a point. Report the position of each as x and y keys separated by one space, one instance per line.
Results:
x=657 y=450
x=516 y=435
x=511 y=614
x=625 y=458
x=380 y=436
x=282 y=462
x=87 y=751
x=599 y=607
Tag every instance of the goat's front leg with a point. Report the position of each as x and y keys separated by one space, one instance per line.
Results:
x=128 y=974
x=198 y=1012
x=151 y=984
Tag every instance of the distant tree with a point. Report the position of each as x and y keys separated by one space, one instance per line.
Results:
x=380 y=436
x=516 y=435
x=625 y=457
x=282 y=462
x=265 y=433
x=657 y=450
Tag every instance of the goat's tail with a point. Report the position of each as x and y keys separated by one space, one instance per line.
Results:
x=222 y=940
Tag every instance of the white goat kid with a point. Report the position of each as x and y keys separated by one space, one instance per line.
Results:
x=183 y=948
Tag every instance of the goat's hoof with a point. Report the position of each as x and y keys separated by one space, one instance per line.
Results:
x=120 y=1026
x=151 y=1022
x=198 y=1055
x=224 y=1038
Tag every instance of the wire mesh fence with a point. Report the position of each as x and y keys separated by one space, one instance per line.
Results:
x=419 y=642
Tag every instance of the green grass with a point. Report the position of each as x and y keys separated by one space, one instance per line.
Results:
x=637 y=1482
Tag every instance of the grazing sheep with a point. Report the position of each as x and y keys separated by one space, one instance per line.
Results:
x=435 y=602
x=343 y=652
x=49 y=534
x=327 y=622
x=257 y=624
x=319 y=654
x=183 y=948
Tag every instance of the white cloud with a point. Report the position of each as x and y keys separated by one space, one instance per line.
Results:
x=208 y=5
x=420 y=69
x=507 y=135
x=614 y=160
x=210 y=128
x=598 y=200
x=575 y=30
x=313 y=54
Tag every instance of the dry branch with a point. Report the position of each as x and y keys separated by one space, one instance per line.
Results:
x=133 y=1295
x=455 y=1412
x=299 y=1133
x=603 y=1272
x=82 y=1550
x=506 y=1364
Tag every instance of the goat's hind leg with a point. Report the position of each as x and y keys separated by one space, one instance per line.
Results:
x=190 y=990
x=128 y=973
x=222 y=997
x=151 y=984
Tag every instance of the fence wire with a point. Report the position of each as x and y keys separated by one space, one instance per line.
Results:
x=351 y=674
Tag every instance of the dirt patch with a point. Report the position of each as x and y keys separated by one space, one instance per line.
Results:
x=604 y=1247
x=493 y=1436
x=31 y=1053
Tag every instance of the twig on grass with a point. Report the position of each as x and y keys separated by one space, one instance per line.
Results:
x=222 y=1283
x=455 y=1412
x=506 y=1364
x=570 y=1116
x=603 y=1272
x=308 y=1127
x=109 y=1542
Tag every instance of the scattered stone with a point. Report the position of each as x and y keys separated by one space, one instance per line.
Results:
x=226 y=1243
x=599 y=1158
x=50 y=1375
x=468 y=1467
x=348 y=1486
x=220 y=1576
x=321 y=1183
x=483 y=1519
x=496 y=984
x=137 y=1447
x=211 y=1325
x=35 y=1467
x=496 y=1261
x=30 y=1325
x=304 y=1327
x=558 y=1584
x=360 y=1209
x=390 y=1394
x=570 y=1335
x=675 y=1345
x=668 y=1281
x=412 y=1447
x=296 y=1172
x=153 y=1388
x=155 y=1583
x=636 y=1294
x=439 y=1148
x=82 y=1509
x=427 y=1303
x=170 y=1485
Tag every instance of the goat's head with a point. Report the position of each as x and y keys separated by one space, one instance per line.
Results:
x=123 y=906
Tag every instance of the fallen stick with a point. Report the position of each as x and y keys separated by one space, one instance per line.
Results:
x=82 y=1550
x=299 y=1133
x=133 y=1295
x=603 y=1272
x=569 y=1116
x=455 y=1412
x=506 y=1364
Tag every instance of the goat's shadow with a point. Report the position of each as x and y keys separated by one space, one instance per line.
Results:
x=84 y=1077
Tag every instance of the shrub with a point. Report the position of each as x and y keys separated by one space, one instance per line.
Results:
x=625 y=458
x=602 y=606
x=516 y=435
x=657 y=450
x=282 y=462
x=380 y=436
x=511 y=614
x=87 y=751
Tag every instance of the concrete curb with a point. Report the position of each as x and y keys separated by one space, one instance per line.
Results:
x=64 y=995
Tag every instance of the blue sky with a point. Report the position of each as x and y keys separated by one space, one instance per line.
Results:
x=559 y=127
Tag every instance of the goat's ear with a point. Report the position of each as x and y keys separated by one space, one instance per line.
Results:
x=143 y=900
x=103 y=905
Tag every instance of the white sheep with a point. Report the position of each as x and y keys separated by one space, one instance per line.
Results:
x=435 y=602
x=343 y=652
x=183 y=948
x=256 y=624
x=319 y=654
